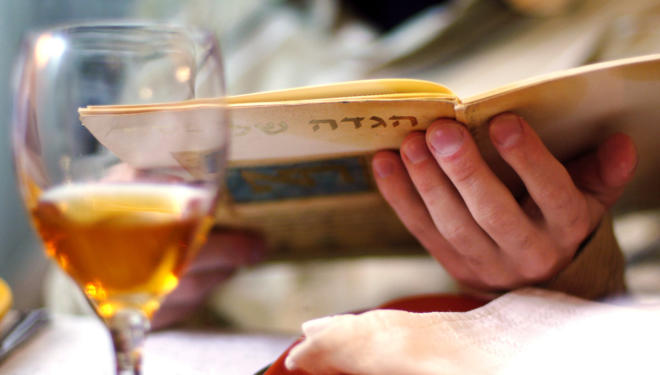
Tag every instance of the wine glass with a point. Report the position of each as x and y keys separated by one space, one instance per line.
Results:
x=122 y=229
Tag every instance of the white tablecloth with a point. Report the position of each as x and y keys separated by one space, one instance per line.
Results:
x=81 y=345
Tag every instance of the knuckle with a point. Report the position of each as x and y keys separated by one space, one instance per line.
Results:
x=539 y=264
x=558 y=198
x=496 y=220
x=531 y=153
x=489 y=272
x=576 y=228
x=426 y=188
x=533 y=271
x=527 y=242
x=455 y=233
x=475 y=262
x=462 y=170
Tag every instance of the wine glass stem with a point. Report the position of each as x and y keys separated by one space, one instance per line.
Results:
x=128 y=329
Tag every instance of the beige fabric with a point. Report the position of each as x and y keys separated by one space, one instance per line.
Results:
x=597 y=270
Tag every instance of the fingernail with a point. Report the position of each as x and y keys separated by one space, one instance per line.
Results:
x=506 y=129
x=415 y=150
x=383 y=167
x=446 y=140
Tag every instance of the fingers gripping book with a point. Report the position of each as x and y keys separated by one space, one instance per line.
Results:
x=299 y=158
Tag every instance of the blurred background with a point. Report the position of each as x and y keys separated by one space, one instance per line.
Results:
x=468 y=45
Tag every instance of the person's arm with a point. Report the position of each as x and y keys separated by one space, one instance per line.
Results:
x=451 y=201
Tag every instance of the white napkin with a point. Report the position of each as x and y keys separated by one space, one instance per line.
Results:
x=523 y=332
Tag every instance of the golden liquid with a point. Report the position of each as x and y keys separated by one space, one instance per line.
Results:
x=125 y=245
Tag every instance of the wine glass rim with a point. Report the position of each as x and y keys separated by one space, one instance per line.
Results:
x=92 y=28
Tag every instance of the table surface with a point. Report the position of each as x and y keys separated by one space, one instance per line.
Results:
x=75 y=344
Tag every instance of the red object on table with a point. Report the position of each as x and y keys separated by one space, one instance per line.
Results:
x=423 y=303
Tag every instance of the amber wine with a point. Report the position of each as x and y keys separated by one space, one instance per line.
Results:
x=125 y=245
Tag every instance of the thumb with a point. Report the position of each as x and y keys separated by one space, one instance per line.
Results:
x=603 y=174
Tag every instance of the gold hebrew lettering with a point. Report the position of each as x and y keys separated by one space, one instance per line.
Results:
x=411 y=119
x=378 y=122
x=239 y=130
x=271 y=128
x=317 y=123
x=357 y=121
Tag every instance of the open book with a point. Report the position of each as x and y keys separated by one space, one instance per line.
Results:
x=300 y=158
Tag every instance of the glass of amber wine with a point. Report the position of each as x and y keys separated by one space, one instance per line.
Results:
x=123 y=225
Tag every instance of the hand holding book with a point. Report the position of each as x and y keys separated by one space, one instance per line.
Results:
x=452 y=202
